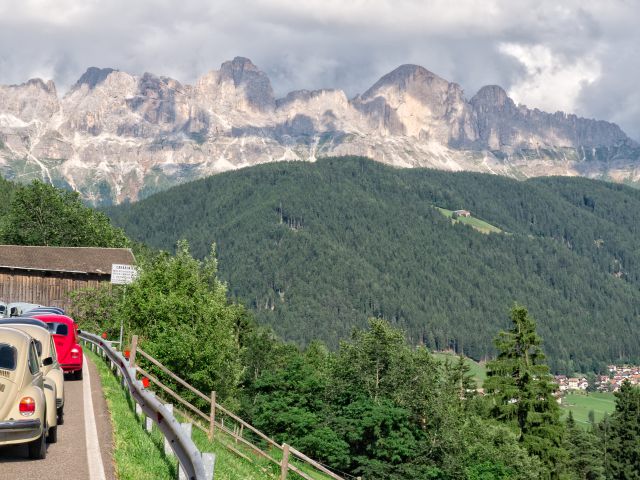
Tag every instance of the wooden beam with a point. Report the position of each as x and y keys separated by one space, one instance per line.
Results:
x=212 y=416
x=172 y=375
x=310 y=461
x=172 y=393
x=132 y=353
x=284 y=464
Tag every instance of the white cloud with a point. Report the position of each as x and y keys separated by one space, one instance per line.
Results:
x=551 y=82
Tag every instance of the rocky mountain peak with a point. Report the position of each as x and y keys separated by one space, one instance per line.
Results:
x=93 y=76
x=48 y=87
x=415 y=102
x=491 y=95
x=32 y=100
x=306 y=96
x=253 y=82
x=240 y=69
x=404 y=78
x=492 y=100
x=116 y=136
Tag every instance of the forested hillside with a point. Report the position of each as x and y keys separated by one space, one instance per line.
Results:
x=315 y=249
x=6 y=192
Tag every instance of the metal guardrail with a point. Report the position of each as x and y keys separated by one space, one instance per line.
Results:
x=215 y=422
x=192 y=462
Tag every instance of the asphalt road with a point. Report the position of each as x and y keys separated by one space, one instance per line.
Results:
x=77 y=455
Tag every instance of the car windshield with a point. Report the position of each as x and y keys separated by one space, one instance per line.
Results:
x=7 y=357
x=58 y=328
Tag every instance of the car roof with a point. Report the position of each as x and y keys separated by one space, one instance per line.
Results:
x=54 y=317
x=57 y=310
x=36 y=328
x=23 y=321
x=23 y=305
x=13 y=336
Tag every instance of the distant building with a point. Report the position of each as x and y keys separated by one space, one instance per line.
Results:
x=561 y=380
x=617 y=375
x=46 y=275
x=575 y=383
x=462 y=213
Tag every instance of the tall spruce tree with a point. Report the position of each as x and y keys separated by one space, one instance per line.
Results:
x=521 y=390
x=623 y=446
x=585 y=459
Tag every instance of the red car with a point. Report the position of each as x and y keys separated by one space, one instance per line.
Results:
x=65 y=336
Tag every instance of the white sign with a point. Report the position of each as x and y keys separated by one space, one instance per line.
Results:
x=123 y=274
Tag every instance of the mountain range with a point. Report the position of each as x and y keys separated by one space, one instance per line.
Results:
x=119 y=137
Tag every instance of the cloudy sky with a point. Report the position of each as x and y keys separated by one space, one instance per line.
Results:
x=572 y=55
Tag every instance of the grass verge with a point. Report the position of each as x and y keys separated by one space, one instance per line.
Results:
x=137 y=454
x=140 y=455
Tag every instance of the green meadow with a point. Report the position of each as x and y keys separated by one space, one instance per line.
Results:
x=582 y=403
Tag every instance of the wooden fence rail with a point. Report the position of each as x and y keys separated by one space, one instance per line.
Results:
x=217 y=415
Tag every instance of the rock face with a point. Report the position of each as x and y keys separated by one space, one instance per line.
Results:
x=115 y=136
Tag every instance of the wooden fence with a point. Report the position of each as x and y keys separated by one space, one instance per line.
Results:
x=218 y=420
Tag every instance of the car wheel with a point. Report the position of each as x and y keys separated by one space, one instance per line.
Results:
x=53 y=435
x=61 y=415
x=38 y=448
x=78 y=375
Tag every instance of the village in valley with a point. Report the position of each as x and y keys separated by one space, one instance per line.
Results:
x=603 y=383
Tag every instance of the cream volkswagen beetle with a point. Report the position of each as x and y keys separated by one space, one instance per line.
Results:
x=23 y=406
x=53 y=374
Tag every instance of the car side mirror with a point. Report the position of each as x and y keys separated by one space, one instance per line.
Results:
x=47 y=361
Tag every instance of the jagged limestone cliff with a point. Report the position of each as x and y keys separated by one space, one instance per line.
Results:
x=115 y=136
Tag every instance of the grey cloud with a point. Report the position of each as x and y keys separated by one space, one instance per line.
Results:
x=330 y=43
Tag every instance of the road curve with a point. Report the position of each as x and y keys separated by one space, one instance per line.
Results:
x=84 y=447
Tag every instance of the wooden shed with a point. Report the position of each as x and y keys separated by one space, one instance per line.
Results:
x=46 y=275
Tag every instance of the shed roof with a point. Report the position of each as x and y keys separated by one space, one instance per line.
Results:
x=95 y=260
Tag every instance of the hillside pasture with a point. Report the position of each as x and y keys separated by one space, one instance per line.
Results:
x=582 y=403
x=476 y=223
x=476 y=369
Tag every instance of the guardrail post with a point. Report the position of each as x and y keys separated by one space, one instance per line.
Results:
x=132 y=354
x=167 y=447
x=148 y=424
x=284 y=464
x=209 y=461
x=188 y=428
x=212 y=416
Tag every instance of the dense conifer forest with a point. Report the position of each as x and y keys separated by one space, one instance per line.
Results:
x=316 y=249
x=375 y=407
